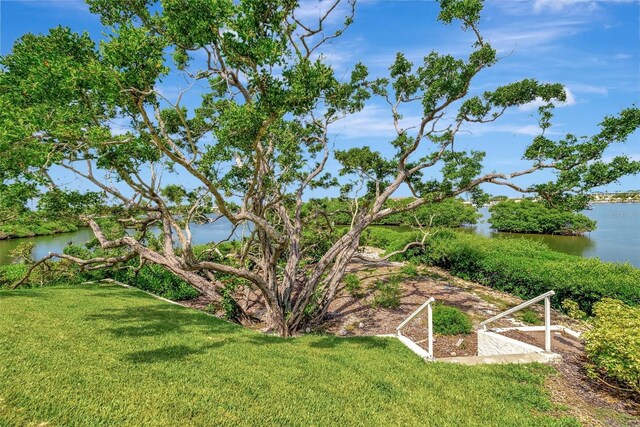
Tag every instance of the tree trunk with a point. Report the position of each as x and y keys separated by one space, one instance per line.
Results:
x=277 y=322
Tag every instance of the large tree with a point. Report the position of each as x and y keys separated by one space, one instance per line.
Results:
x=257 y=142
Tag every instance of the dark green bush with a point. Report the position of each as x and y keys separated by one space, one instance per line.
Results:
x=151 y=278
x=157 y=280
x=450 y=321
x=527 y=216
x=388 y=238
x=447 y=213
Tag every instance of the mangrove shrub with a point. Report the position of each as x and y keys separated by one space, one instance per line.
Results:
x=527 y=216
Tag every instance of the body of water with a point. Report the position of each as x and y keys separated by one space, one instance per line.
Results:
x=616 y=238
x=202 y=233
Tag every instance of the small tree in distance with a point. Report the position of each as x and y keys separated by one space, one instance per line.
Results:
x=527 y=216
x=257 y=143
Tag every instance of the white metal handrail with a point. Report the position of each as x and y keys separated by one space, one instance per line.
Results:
x=547 y=315
x=429 y=308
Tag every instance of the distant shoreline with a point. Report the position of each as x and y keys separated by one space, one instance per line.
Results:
x=591 y=202
x=602 y=202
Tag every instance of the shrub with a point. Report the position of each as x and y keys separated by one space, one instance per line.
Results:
x=41 y=275
x=387 y=293
x=29 y=227
x=527 y=216
x=387 y=238
x=573 y=310
x=530 y=317
x=450 y=321
x=157 y=280
x=11 y=273
x=613 y=345
x=409 y=271
x=151 y=278
x=525 y=268
x=446 y=213
x=353 y=286
x=232 y=310
x=23 y=252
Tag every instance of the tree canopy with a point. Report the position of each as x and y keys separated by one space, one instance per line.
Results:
x=528 y=216
x=257 y=142
x=448 y=213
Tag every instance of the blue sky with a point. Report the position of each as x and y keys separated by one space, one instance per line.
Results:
x=592 y=47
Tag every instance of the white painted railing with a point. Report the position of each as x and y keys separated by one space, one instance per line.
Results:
x=547 y=316
x=413 y=346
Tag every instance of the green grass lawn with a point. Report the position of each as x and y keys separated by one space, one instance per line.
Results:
x=105 y=355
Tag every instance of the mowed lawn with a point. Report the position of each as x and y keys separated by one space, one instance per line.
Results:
x=109 y=356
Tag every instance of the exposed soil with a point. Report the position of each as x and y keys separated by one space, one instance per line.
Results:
x=455 y=345
x=591 y=402
x=357 y=316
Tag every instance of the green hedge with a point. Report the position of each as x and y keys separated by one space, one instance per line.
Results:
x=613 y=345
x=519 y=266
x=151 y=278
x=157 y=280
x=28 y=228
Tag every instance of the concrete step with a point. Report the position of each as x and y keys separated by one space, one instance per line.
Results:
x=504 y=358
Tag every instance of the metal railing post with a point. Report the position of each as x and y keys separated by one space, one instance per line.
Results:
x=414 y=314
x=547 y=324
x=516 y=308
x=430 y=325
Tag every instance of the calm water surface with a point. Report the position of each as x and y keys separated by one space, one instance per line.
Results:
x=202 y=233
x=616 y=238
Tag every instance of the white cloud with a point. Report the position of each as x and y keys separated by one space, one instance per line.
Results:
x=376 y=122
x=341 y=54
x=488 y=128
x=310 y=11
x=571 y=100
x=373 y=121
x=171 y=92
x=533 y=34
x=559 y=5
x=562 y=5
